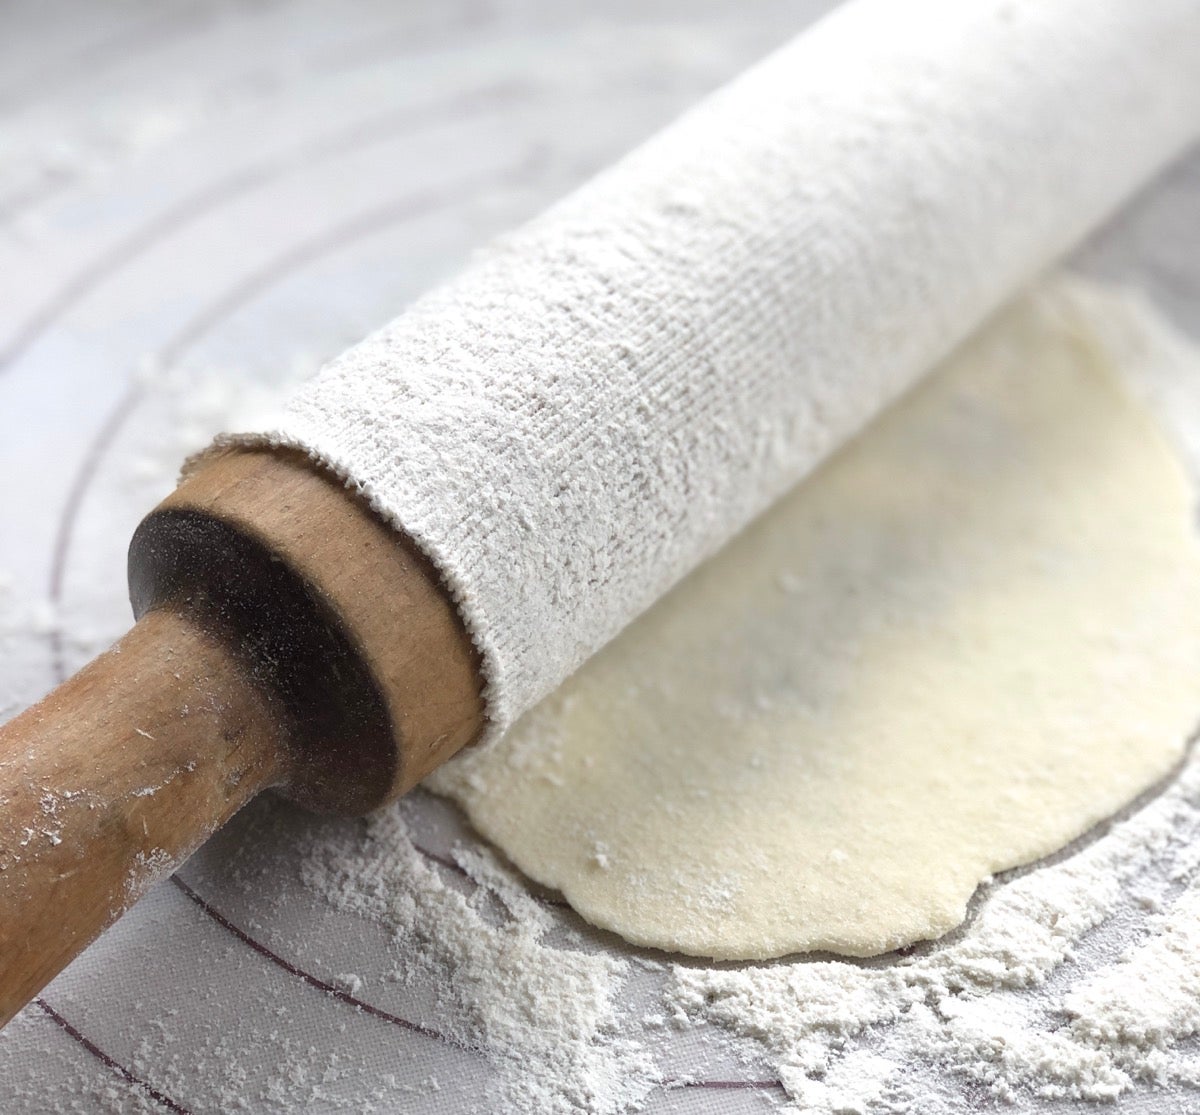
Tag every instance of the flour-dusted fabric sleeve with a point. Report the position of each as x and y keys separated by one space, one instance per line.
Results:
x=605 y=396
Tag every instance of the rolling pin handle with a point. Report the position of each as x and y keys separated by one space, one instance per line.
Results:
x=115 y=779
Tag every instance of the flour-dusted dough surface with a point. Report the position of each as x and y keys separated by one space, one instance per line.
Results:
x=971 y=636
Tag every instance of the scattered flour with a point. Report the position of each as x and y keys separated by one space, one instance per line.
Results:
x=544 y=1016
x=1061 y=987
x=1013 y=1003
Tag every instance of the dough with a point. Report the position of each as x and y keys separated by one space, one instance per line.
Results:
x=969 y=637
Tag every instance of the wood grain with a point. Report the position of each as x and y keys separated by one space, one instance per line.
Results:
x=112 y=781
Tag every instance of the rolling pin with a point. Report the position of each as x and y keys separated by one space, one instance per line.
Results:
x=453 y=516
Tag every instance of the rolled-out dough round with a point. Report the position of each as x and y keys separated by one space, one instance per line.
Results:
x=969 y=637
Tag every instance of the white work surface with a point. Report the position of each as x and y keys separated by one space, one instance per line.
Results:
x=198 y=202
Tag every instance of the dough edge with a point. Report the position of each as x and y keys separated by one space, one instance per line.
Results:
x=1121 y=332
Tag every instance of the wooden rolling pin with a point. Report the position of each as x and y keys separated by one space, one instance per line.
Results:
x=286 y=639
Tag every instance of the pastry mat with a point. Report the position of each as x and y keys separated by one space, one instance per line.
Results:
x=199 y=203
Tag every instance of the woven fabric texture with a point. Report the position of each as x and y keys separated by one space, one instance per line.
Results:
x=605 y=396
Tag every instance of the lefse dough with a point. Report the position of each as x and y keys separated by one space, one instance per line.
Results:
x=971 y=636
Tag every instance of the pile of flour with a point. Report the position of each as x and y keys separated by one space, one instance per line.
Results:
x=549 y=1018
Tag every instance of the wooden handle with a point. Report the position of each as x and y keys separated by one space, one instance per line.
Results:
x=287 y=637
x=113 y=781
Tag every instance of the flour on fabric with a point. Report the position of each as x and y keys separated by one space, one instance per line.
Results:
x=605 y=396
